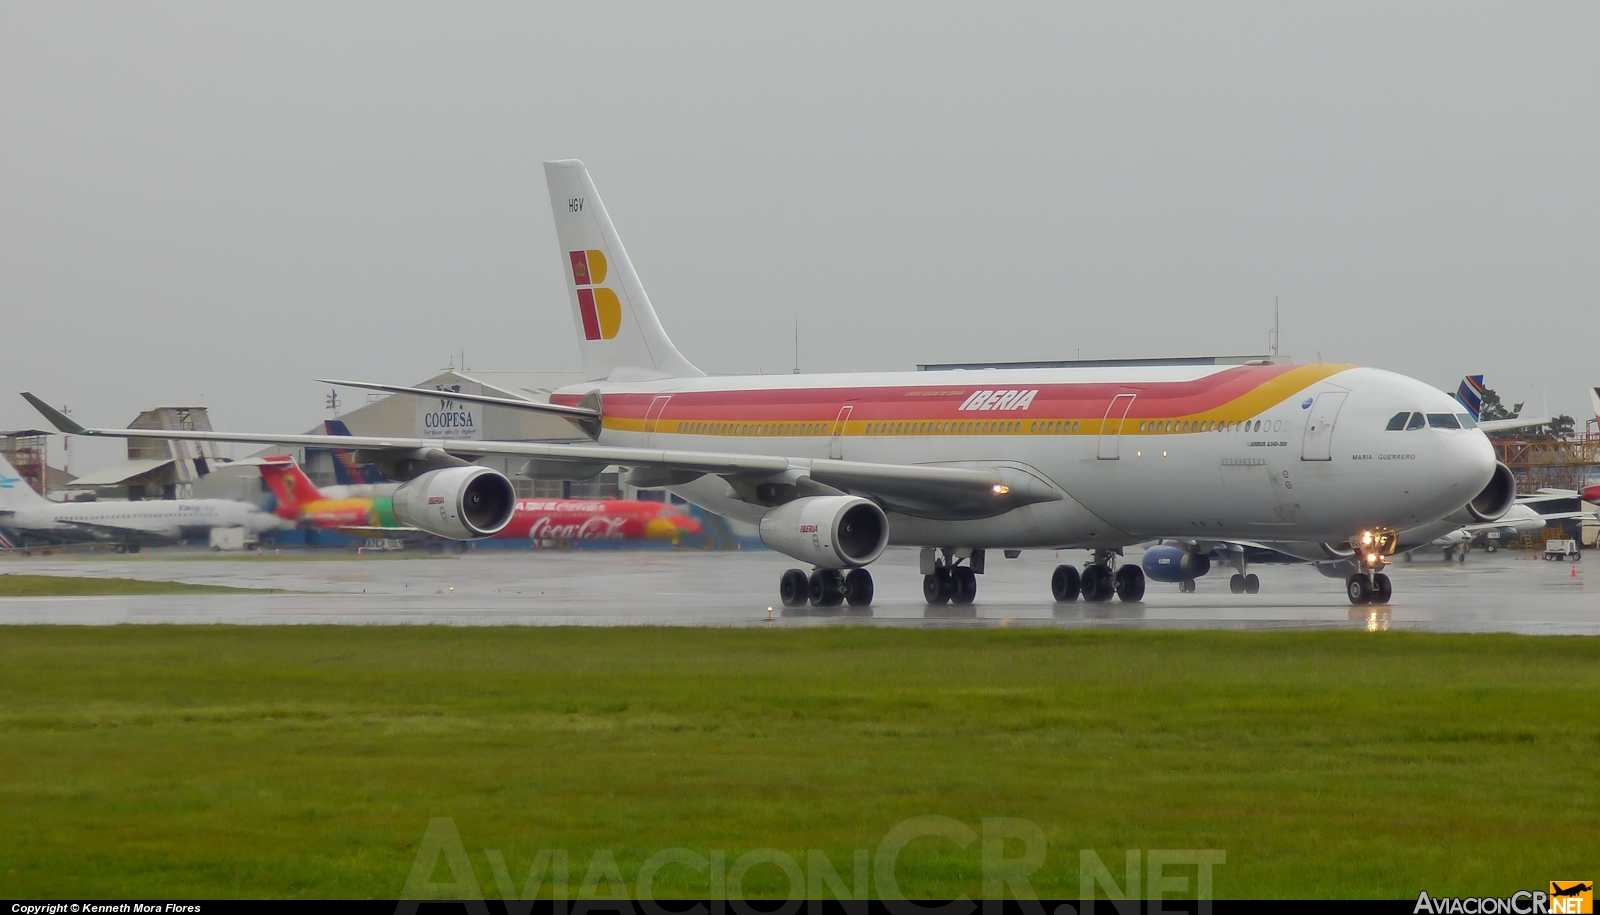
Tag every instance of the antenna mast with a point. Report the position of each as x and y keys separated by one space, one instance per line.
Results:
x=1273 y=343
x=797 y=346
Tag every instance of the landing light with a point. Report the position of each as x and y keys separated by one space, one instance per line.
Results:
x=1372 y=559
x=1366 y=537
x=1001 y=489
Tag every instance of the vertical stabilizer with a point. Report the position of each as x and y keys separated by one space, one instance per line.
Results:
x=289 y=484
x=15 y=492
x=1470 y=394
x=1594 y=401
x=619 y=335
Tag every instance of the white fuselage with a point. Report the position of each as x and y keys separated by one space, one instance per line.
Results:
x=1263 y=453
x=135 y=520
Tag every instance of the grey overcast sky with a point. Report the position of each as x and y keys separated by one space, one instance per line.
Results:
x=218 y=202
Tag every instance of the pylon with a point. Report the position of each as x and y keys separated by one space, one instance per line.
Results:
x=1574 y=570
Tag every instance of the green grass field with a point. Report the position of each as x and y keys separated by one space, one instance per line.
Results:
x=70 y=586
x=157 y=761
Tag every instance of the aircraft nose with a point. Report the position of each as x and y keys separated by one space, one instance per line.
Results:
x=1469 y=461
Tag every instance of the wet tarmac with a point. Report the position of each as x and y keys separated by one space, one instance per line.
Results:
x=1505 y=592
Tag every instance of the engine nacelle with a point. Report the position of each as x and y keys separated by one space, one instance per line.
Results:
x=829 y=532
x=1496 y=498
x=461 y=503
x=1173 y=564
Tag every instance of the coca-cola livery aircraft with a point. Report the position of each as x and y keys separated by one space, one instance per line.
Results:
x=536 y=520
x=834 y=468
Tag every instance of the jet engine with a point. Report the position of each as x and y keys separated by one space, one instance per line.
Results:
x=830 y=532
x=461 y=503
x=1164 y=562
x=1496 y=498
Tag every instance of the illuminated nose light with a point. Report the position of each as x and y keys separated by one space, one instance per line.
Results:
x=1001 y=489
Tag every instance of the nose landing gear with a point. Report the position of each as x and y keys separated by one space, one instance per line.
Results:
x=1369 y=584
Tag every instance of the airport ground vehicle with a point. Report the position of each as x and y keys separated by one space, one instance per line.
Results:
x=833 y=468
x=1562 y=550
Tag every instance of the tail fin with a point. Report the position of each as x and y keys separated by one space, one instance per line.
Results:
x=1594 y=401
x=289 y=484
x=619 y=335
x=346 y=472
x=1471 y=394
x=15 y=492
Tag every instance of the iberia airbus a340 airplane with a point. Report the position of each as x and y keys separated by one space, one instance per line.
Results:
x=1306 y=459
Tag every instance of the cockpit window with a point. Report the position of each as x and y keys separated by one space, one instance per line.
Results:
x=1398 y=421
x=1467 y=422
x=1418 y=421
x=1443 y=421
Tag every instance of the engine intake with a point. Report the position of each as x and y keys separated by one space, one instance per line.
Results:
x=1496 y=498
x=459 y=503
x=830 y=532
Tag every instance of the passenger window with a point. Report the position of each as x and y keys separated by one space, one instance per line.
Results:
x=1467 y=422
x=1418 y=421
x=1443 y=421
x=1398 y=421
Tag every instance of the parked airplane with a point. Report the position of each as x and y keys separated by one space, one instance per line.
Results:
x=127 y=525
x=834 y=468
x=1470 y=395
x=537 y=520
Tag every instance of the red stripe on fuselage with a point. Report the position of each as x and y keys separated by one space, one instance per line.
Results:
x=1073 y=400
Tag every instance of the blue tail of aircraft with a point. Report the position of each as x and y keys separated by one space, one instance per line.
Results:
x=346 y=471
x=1471 y=394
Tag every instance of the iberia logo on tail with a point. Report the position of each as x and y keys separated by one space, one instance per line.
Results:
x=599 y=307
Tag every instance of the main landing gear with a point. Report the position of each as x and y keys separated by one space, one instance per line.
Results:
x=1098 y=582
x=946 y=581
x=1244 y=583
x=825 y=588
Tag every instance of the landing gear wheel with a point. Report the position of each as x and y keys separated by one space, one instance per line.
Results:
x=1358 y=589
x=1097 y=585
x=1186 y=586
x=827 y=588
x=1236 y=583
x=1252 y=584
x=937 y=588
x=1065 y=584
x=858 y=587
x=1129 y=584
x=1383 y=588
x=794 y=589
x=964 y=585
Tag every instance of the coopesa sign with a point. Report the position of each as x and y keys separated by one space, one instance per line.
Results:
x=449 y=418
x=1012 y=399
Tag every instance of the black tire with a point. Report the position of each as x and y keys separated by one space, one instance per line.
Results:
x=1129 y=584
x=1065 y=584
x=936 y=589
x=1236 y=583
x=827 y=588
x=1357 y=588
x=794 y=589
x=1096 y=583
x=1384 y=589
x=858 y=587
x=1187 y=586
x=963 y=585
x=1252 y=584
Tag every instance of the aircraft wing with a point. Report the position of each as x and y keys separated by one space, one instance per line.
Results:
x=924 y=490
x=391 y=533
x=1506 y=425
